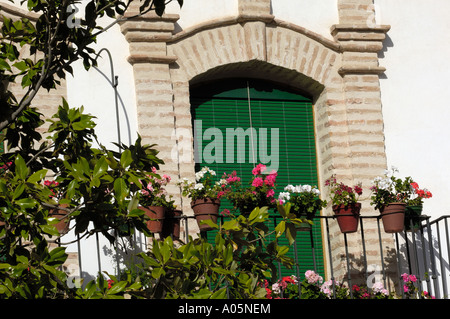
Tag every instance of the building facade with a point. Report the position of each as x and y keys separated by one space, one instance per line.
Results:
x=350 y=60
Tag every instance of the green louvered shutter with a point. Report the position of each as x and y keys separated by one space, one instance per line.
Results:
x=225 y=105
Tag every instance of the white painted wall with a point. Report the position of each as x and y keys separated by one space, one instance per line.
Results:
x=194 y=12
x=317 y=16
x=304 y=13
x=93 y=89
x=415 y=94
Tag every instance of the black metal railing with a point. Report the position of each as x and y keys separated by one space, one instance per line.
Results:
x=423 y=251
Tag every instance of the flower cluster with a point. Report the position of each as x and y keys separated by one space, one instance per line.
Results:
x=260 y=191
x=285 y=288
x=203 y=186
x=153 y=192
x=312 y=288
x=312 y=277
x=53 y=187
x=342 y=194
x=304 y=199
x=417 y=195
x=389 y=189
x=409 y=287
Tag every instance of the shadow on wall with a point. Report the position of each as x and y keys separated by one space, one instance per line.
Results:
x=113 y=81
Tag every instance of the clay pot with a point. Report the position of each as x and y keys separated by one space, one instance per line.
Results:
x=393 y=217
x=157 y=214
x=347 y=217
x=205 y=209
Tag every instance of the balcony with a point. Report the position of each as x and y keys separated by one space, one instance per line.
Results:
x=359 y=258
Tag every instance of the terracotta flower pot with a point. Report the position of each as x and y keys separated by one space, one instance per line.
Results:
x=157 y=214
x=347 y=217
x=393 y=217
x=205 y=209
x=63 y=225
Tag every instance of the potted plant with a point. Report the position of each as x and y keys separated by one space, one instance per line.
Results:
x=305 y=202
x=414 y=205
x=389 y=196
x=154 y=200
x=60 y=214
x=259 y=192
x=345 y=204
x=205 y=196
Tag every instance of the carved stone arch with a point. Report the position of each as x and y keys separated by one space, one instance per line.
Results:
x=341 y=75
x=260 y=48
x=236 y=44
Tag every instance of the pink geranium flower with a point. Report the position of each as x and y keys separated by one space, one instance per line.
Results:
x=257 y=182
x=258 y=169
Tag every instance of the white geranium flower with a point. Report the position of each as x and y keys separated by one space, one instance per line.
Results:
x=284 y=196
x=222 y=181
x=199 y=186
x=306 y=188
x=290 y=188
x=199 y=175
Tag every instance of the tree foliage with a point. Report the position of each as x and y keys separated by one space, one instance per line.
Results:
x=97 y=188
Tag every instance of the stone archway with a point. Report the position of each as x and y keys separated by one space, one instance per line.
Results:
x=341 y=75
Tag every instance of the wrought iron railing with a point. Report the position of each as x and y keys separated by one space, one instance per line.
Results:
x=423 y=252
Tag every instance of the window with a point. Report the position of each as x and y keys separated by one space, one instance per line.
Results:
x=239 y=123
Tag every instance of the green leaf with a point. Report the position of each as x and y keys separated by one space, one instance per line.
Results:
x=116 y=288
x=210 y=223
x=100 y=167
x=282 y=250
x=165 y=253
x=280 y=228
x=228 y=255
x=37 y=176
x=26 y=203
x=90 y=289
x=291 y=233
x=126 y=159
x=4 y=65
x=232 y=224
x=121 y=190
x=132 y=206
x=49 y=229
x=58 y=254
x=21 y=168
x=18 y=190
x=158 y=272
x=258 y=215
x=72 y=188
x=220 y=294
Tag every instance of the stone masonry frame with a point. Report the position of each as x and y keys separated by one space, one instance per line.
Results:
x=341 y=75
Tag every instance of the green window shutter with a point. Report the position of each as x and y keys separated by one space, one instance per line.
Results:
x=272 y=110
